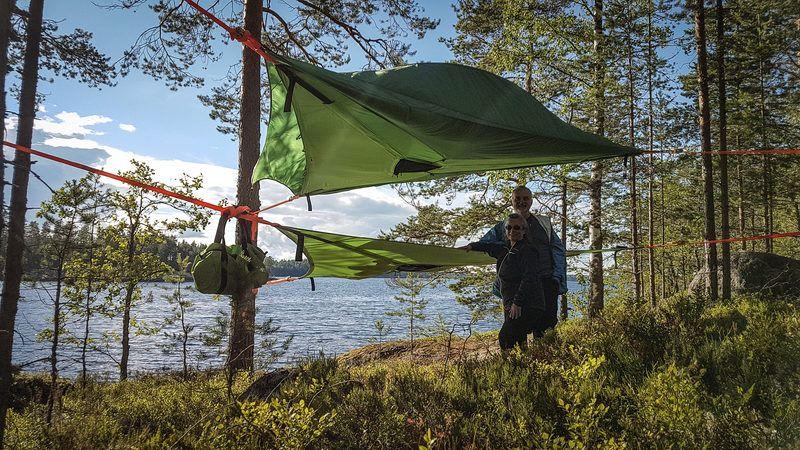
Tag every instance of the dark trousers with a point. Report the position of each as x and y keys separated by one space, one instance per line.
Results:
x=515 y=331
x=549 y=318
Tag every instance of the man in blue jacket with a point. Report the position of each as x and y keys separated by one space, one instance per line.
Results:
x=552 y=255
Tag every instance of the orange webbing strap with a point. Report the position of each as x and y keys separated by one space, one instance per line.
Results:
x=241 y=212
x=238 y=34
x=282 y=202
x=773 y=151
x=114 y=176
x=684 y=243
x=280 y=280
x=727 y=240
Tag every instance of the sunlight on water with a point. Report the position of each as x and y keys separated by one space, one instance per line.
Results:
x=339 y=316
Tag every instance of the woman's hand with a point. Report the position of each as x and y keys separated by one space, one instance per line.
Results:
x=516 y=311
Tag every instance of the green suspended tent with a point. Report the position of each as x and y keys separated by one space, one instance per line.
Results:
x=331 y=132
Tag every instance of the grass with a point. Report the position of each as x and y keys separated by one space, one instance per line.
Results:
x=685 y=375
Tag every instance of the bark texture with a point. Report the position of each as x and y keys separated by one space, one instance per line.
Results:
x=243 y=303
x=596 y=287
x=19 y=206
x=5 y=31
x=705 y=147
x=723 y=159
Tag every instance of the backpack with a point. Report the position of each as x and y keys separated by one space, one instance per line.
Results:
x=223 y=269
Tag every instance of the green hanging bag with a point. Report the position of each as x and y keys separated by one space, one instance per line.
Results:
x=222 y=269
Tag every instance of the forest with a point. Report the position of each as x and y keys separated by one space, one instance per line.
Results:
x=674 y=342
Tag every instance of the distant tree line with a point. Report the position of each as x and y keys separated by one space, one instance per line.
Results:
x=39 y=233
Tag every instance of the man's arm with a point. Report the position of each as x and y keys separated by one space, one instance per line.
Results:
x=559 y=262
x=495 y=234
x=494 y=249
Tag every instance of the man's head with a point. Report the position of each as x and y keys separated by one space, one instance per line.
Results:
x=521 y=200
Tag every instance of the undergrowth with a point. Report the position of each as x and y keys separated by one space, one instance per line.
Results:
x=684 y=375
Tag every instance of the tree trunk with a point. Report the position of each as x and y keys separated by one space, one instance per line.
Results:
x=796 y=213
x=185 y=340
x=243 y=303
x=126 y=327
x=637 y=284
x=564 y=303
x=126 y=307
x=742 y=224
x=596 y=287
x=705 y=147
x=766 y=169
x=54 y=346
x=723 y=159
x=19 y=206
x=5 y=32
x=663 y=218
x=651 y=263
x=89 y=282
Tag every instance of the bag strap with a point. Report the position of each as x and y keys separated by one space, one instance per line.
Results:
x=246 y=242
x=219 y=237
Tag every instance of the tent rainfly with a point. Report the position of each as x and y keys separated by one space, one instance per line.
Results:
x=331 y=132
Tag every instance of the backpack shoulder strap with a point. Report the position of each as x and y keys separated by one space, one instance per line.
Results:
x=546 y=223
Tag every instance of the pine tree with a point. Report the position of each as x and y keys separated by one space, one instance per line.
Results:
x=133 y=229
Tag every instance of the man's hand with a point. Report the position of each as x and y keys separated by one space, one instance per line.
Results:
x=467 y=247
x=516 y=311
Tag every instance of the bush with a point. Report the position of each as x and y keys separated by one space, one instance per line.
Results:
x=682 y=375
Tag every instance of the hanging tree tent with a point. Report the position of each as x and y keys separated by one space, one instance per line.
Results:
x=331 y=132
x=387 y=127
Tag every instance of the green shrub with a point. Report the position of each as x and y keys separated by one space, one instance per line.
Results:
x=668 y=410
x=682 y=375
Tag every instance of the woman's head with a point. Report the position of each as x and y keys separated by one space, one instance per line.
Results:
x=516 y=227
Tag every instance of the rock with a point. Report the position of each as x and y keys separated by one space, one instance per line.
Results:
x=759 y=273
x=268 y=383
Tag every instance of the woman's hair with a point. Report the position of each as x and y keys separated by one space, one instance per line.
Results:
x=518 y=216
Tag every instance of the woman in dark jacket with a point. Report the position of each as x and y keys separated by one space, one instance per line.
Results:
x=520 y=283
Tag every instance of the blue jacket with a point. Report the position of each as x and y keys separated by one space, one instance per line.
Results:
x=497 y=234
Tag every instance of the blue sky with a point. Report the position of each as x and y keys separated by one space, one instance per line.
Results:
x=171 y=130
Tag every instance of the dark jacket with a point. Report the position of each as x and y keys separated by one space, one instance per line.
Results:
x=520 y=281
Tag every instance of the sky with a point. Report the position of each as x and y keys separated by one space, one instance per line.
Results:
x=141 y=118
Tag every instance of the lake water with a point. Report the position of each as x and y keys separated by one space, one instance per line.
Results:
x=339 y=316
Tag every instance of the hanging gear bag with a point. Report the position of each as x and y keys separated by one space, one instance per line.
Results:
x=222 y=269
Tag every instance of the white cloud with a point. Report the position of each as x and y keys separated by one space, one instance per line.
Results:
x=11 y=123
x=363 y=212
x=127 y=127
x=71 y=124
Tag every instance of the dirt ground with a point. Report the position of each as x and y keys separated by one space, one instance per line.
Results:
x=427 y=350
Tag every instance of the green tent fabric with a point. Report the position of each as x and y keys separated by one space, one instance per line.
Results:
x=330 y=132
x=342 y=256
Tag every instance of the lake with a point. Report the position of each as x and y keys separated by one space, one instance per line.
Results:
x=339 y=316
